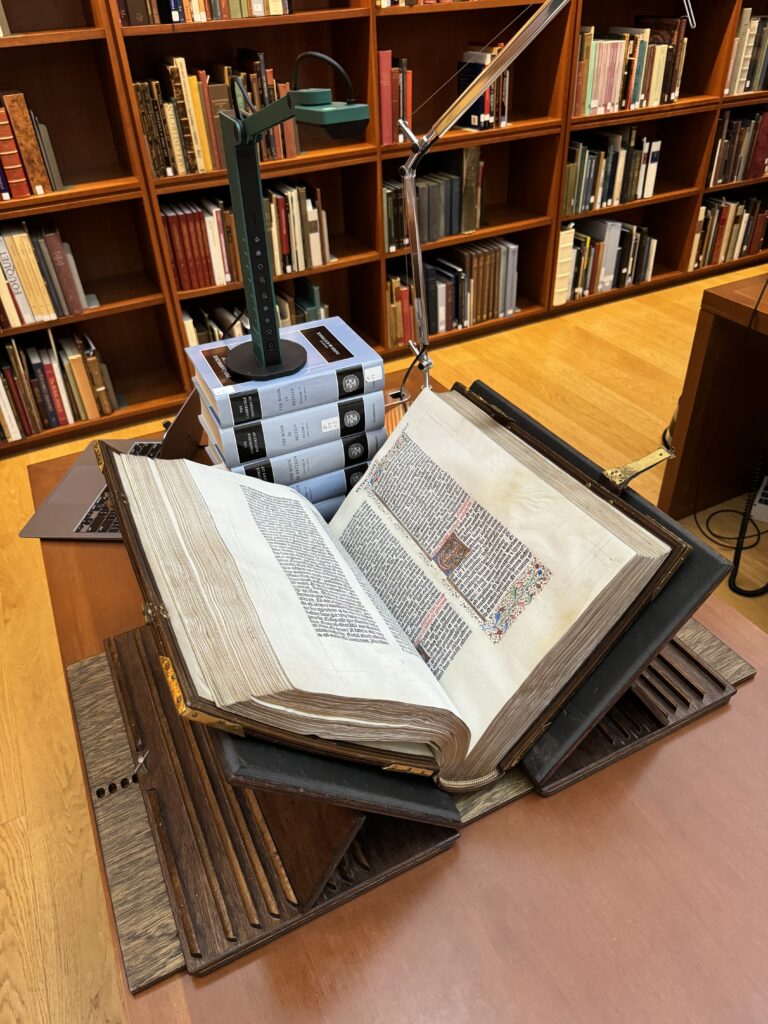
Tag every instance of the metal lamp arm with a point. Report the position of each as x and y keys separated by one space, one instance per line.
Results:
x=421 y=146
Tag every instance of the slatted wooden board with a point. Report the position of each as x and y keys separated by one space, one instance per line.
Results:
x=146 y=927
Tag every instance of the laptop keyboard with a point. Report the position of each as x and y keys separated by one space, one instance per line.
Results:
x=100 y=518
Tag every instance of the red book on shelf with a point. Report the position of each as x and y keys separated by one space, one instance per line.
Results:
x=405 y=305
x=224 y=8
x=21 y=412
x=394 y=77
x=182 y=247
x=722 y=220
x=53 y=390
x=198 y=245
x=10 y=160
x=409 y=97
x=204 y=249
x=61 y=265
x=27 y=142
x=757 y=166
x=385 y=96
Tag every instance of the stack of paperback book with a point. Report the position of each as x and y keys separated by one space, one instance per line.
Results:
x=314 y=431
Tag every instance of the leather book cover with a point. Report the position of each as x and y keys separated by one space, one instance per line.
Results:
x=10 y=160
x=55 y=247
x=259 y=764
x=26 y=140
x=669 y=610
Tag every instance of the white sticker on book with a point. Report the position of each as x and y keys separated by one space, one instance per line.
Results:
x=332 y=423
x=373 y=373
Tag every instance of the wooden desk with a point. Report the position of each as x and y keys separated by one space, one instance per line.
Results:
x=722 y=422
x=637 y=896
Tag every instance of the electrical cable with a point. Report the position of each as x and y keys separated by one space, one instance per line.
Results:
x=741 y=541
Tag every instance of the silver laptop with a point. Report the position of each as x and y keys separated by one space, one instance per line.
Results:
x=78 y=508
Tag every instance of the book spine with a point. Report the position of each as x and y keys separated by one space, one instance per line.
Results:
x=18 y=402
x=304 y=429
x=276 y=398
x=385 y=96
x=10 y=160
x=320 y=461
x=8 y=268
x=183 y=116
x=43 y=397
x=63 y=272
x=97 y=382
x=55 y=396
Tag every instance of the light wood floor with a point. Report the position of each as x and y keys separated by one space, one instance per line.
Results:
x=606 y=378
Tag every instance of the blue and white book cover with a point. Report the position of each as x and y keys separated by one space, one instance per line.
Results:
x=339 y=365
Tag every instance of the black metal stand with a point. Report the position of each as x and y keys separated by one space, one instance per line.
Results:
x=243 y=363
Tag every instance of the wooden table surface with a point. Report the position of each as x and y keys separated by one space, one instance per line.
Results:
x=638 y=895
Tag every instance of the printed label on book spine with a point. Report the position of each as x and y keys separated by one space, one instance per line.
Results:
x=351 y=382
x=355 y=449
x=352 y=416
x=245 y=408
x=326 y=344
x=250 y=443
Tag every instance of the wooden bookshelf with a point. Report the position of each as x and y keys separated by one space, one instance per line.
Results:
x=63 y=57
x=94 y=60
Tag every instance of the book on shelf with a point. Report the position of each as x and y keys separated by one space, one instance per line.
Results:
x=339 y=365
x=448 y=202
x=39 y=280
x=610 y=168
x=490 y=110
x=466 y=285
x=179 y=113
x=369 y=638
x=748 y=67
x=741 y=149
x=179 y=12
x=401 y=317
x=565 y=265
x=5 y=28
x=203 y=326
x=52 y=385
x=202 y=239
x=630 y=67
x=606 y=254
x=28 y=165
x=301 y=306
x=202 y=243
x=395 y=95
x=728 y=229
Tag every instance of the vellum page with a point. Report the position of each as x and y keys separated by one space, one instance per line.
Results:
x=263 y=602
x=493 y=572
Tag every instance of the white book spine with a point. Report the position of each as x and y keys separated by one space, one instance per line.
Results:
x=8 y=417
